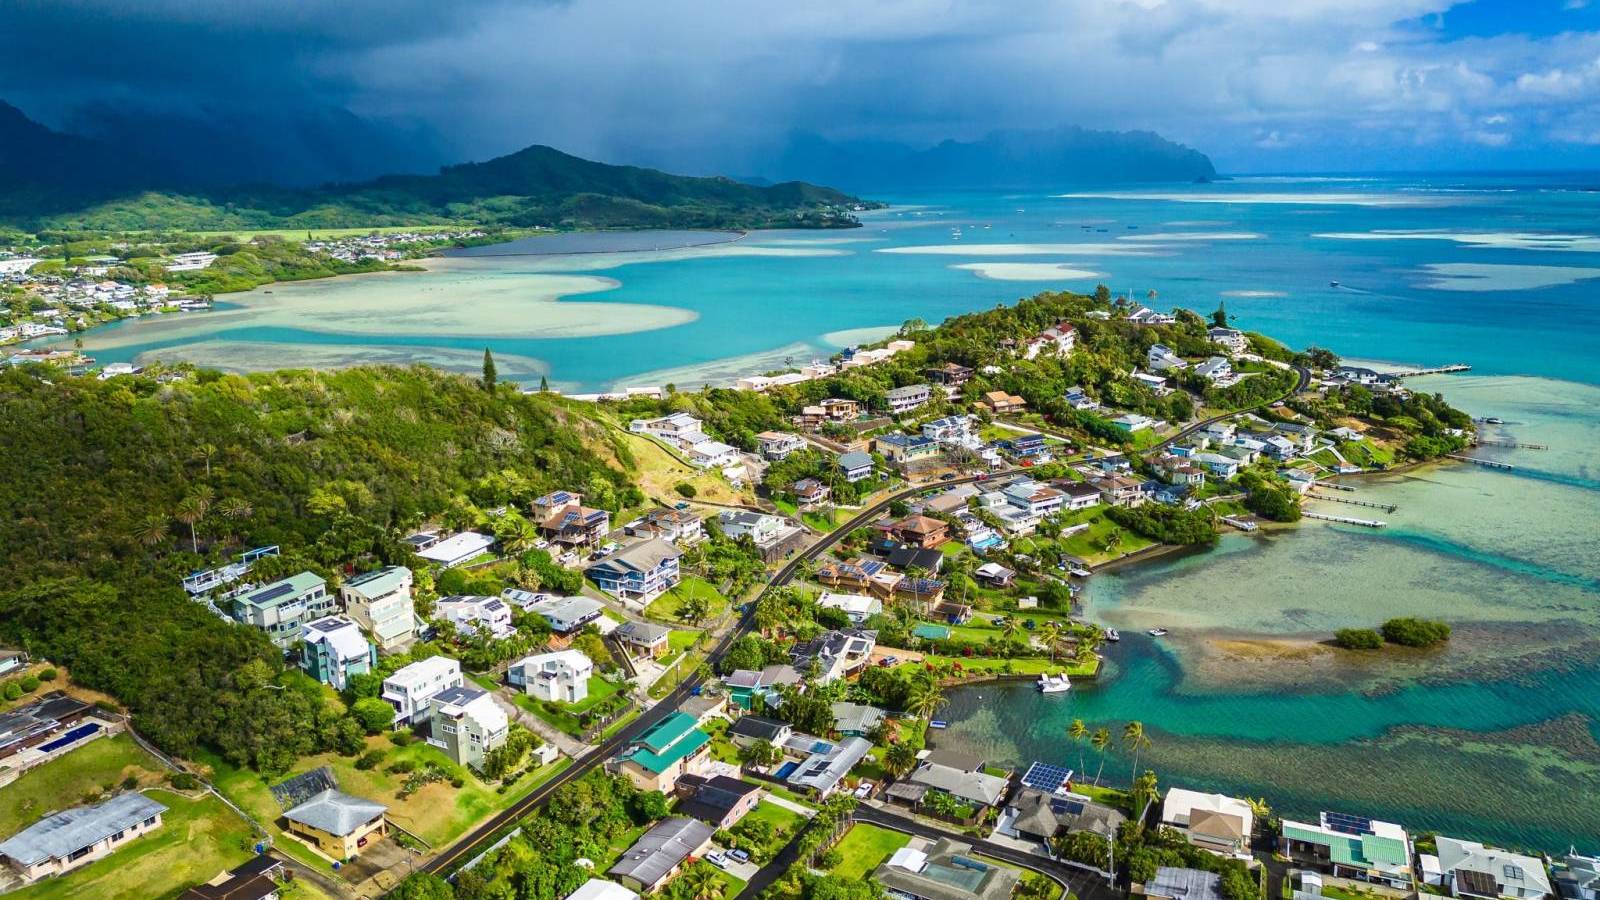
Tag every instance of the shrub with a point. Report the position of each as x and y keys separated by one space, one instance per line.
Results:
x=29 y=684
x=131 y=782
x=370 y=759
x=1358 y=639
x=402 y=767
x=373 y=714
x=1413 y=632
x=183 y=781
x=47 y=675
x=401 y=738
x=686 y=490
x=11 y=691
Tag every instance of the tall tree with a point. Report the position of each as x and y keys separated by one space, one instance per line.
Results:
x=1134 y=738
x=489 y=374
x=1101 y=741
x=190 y=511
x=1078 y=731
x=1220 y=317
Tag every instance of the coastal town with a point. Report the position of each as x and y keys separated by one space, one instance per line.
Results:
x=725 y=678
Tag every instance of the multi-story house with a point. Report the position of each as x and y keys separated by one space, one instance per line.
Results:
x=562 y=676
x=410 y=688
x=281 y=608
x=380 y=601
x=467 y=724
x=905 y=399
x=638 y=573
x=564 y=519
x=779 y=444
x=333 y=649
x=476 y=615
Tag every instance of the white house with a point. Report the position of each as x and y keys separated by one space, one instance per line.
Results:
x=858 y=607
x=1214 y=822
x=457 y=549
x=1217 y=370
x=709 y=454
x=1470 y=869
x=1160 y=358
x=1133 y=422
x=1040 y=500
x=565 y=614
x=1155 y=383
x=905 y=399
x=1144 y=315
x=1230 y=338
x=380 y=601
x=955 y=430
x=409 y=689
x=562 y=676
x=762 y=528
x=1217 y=464
x=476 y=615
x=679 y=429
x=856 y=466
x=779 y=444
x=467 y=724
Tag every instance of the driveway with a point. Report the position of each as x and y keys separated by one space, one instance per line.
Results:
x=564 y=742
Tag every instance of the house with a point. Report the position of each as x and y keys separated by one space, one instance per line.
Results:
x=661 y=852
x=600 y=889
x=12 y=660
x=1160 y=358
x=759 y=527
x=921 y=531
x=470 y=614
x=1303 y=436
x=638 y=573
x=946 y=869
x=1120 y=490
x=705 y=707
x=854 y=575
x=1133 y=423
x=380 y=601
x=973 y=786
x=679 y=429
x=1077 y=495
x=748 y=730
x=1038 y=499
x=1221 y=432
x=339 y=825
x=1057 y=340
x=256 y=879
x=666 y=750
x=950 y=502
x=1230 y=338
x=720 y=800
x=809 y=491
x=858 y=607
x=1155 y=383
x=905 y=399
x=1472 y=870
x=563 y=519
x=410 y=689
x=994 y=575
x=1144 y=315
x=827 y=765
x=457 y=549
x=745 y=686
x=1040 y=815
x=905 y=449
x=467 y=724
x=835 y=654
x=63 y=841
x=39 y=722
x=567 y=615
x=561 y=676
x=1223 y=467
x=1578 y=877
x=779 y=444
x=282 y=608
x=835 y=409
x=1000 y=402
x=333 y=649
x=644 y=639
x=1212 y=822
x=952 y=430
x=855 y=719
x=1353 y=847
x=1180 y=470
x=927 y=593
x=1078 y=399
x=856 y=466
x=680 y=526
x=950 y=375
x=1217 y=370
x=1173 y=883
x=709 y=454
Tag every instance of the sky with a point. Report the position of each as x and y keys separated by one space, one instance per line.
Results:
x=720 y=85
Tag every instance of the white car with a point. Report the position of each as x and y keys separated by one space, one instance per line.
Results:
x=863 y=790
x=717 y=859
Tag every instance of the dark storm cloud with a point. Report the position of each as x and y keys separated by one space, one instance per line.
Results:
x=717 y=84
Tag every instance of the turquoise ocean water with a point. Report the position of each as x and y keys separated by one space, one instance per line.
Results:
x=1496 y=737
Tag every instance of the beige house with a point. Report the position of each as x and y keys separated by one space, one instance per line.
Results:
x=63 y=841
x=338 y=824
x=380 y=602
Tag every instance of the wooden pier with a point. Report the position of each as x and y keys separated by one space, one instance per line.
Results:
x=1241 y=524
x=1493 y=464
x=1335 y=486
x=1346 y=520
x=1386 y=507
x=1480 y=442
x=1436 y=370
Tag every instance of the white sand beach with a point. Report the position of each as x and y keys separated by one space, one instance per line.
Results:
x=1000 y=271
x=1026 y=250
x=1492 y=277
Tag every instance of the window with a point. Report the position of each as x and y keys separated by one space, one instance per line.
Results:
x=118 y=836
x=449 y=729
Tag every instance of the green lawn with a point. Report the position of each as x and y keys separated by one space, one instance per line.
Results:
x=864 y=848
x=197 y=839
x=1029 y=666
x=785 y=820
x=666 y=607
x=564 y=716
x=778 y=790
x=97 y=766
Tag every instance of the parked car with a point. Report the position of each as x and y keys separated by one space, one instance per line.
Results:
x=716 y=859
x=863 y=790
x=738 y=855
x=948 y=476
x=683 y=505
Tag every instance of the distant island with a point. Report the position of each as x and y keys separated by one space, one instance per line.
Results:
x=1044 y=159
x=55 y=181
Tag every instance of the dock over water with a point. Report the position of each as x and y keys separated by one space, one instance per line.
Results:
x=1346 y=520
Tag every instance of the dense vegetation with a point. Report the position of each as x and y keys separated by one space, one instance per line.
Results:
x=117 y=489
x=1413 y=632
x=1358 y=639
x=1167 y=524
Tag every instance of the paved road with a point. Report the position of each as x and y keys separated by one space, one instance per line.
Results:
x=485 y=834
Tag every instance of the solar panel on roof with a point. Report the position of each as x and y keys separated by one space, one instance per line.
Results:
x=1069 y=807
x=1346 y=823
x=1046 y=777
x=272 y=593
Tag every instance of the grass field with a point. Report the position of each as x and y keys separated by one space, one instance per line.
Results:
x=565 y=715
x=197 y=839
x=96 y=767
x=786 y=820
x=864 y=848
x=666 y=608
x=660 y=472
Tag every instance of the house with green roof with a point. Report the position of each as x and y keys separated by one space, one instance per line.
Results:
x=671 y=748
x=1354 y=847
x=282 y=608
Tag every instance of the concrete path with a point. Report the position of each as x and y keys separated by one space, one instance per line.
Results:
x=564 y=742
x=790 y=805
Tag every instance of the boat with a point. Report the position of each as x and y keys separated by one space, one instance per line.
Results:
x=1333 y=284
x=1078 y=572
x=1054 y=684
x=1112 y=635
x=1158 y=632
x=938 y=723
x=1494 y=420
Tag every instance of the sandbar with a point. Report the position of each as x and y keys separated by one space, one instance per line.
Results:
x=1028 y=271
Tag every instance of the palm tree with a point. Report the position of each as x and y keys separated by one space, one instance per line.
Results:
x=1011 y=628
x=1078 y=731
x=1050 y=633
x=236 y=508
x=1085 y=649
x=926 y=698
x=151 y=531
x=1100 y=741
x=702 y=883
x=1133 y=737
x=900 y=759
x=1143 y=792
x=190 y=511
x=205 y=453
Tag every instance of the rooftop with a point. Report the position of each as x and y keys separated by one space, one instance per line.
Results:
x=61 y=834
x=335 y=813
x=661 y=849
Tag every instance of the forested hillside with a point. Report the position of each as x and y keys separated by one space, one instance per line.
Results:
x=114 y=490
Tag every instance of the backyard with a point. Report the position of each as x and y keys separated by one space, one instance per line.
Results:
x=669 y=606
x=864 y=848
x=96 y=767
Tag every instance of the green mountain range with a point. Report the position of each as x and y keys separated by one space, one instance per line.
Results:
x=53 y=180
